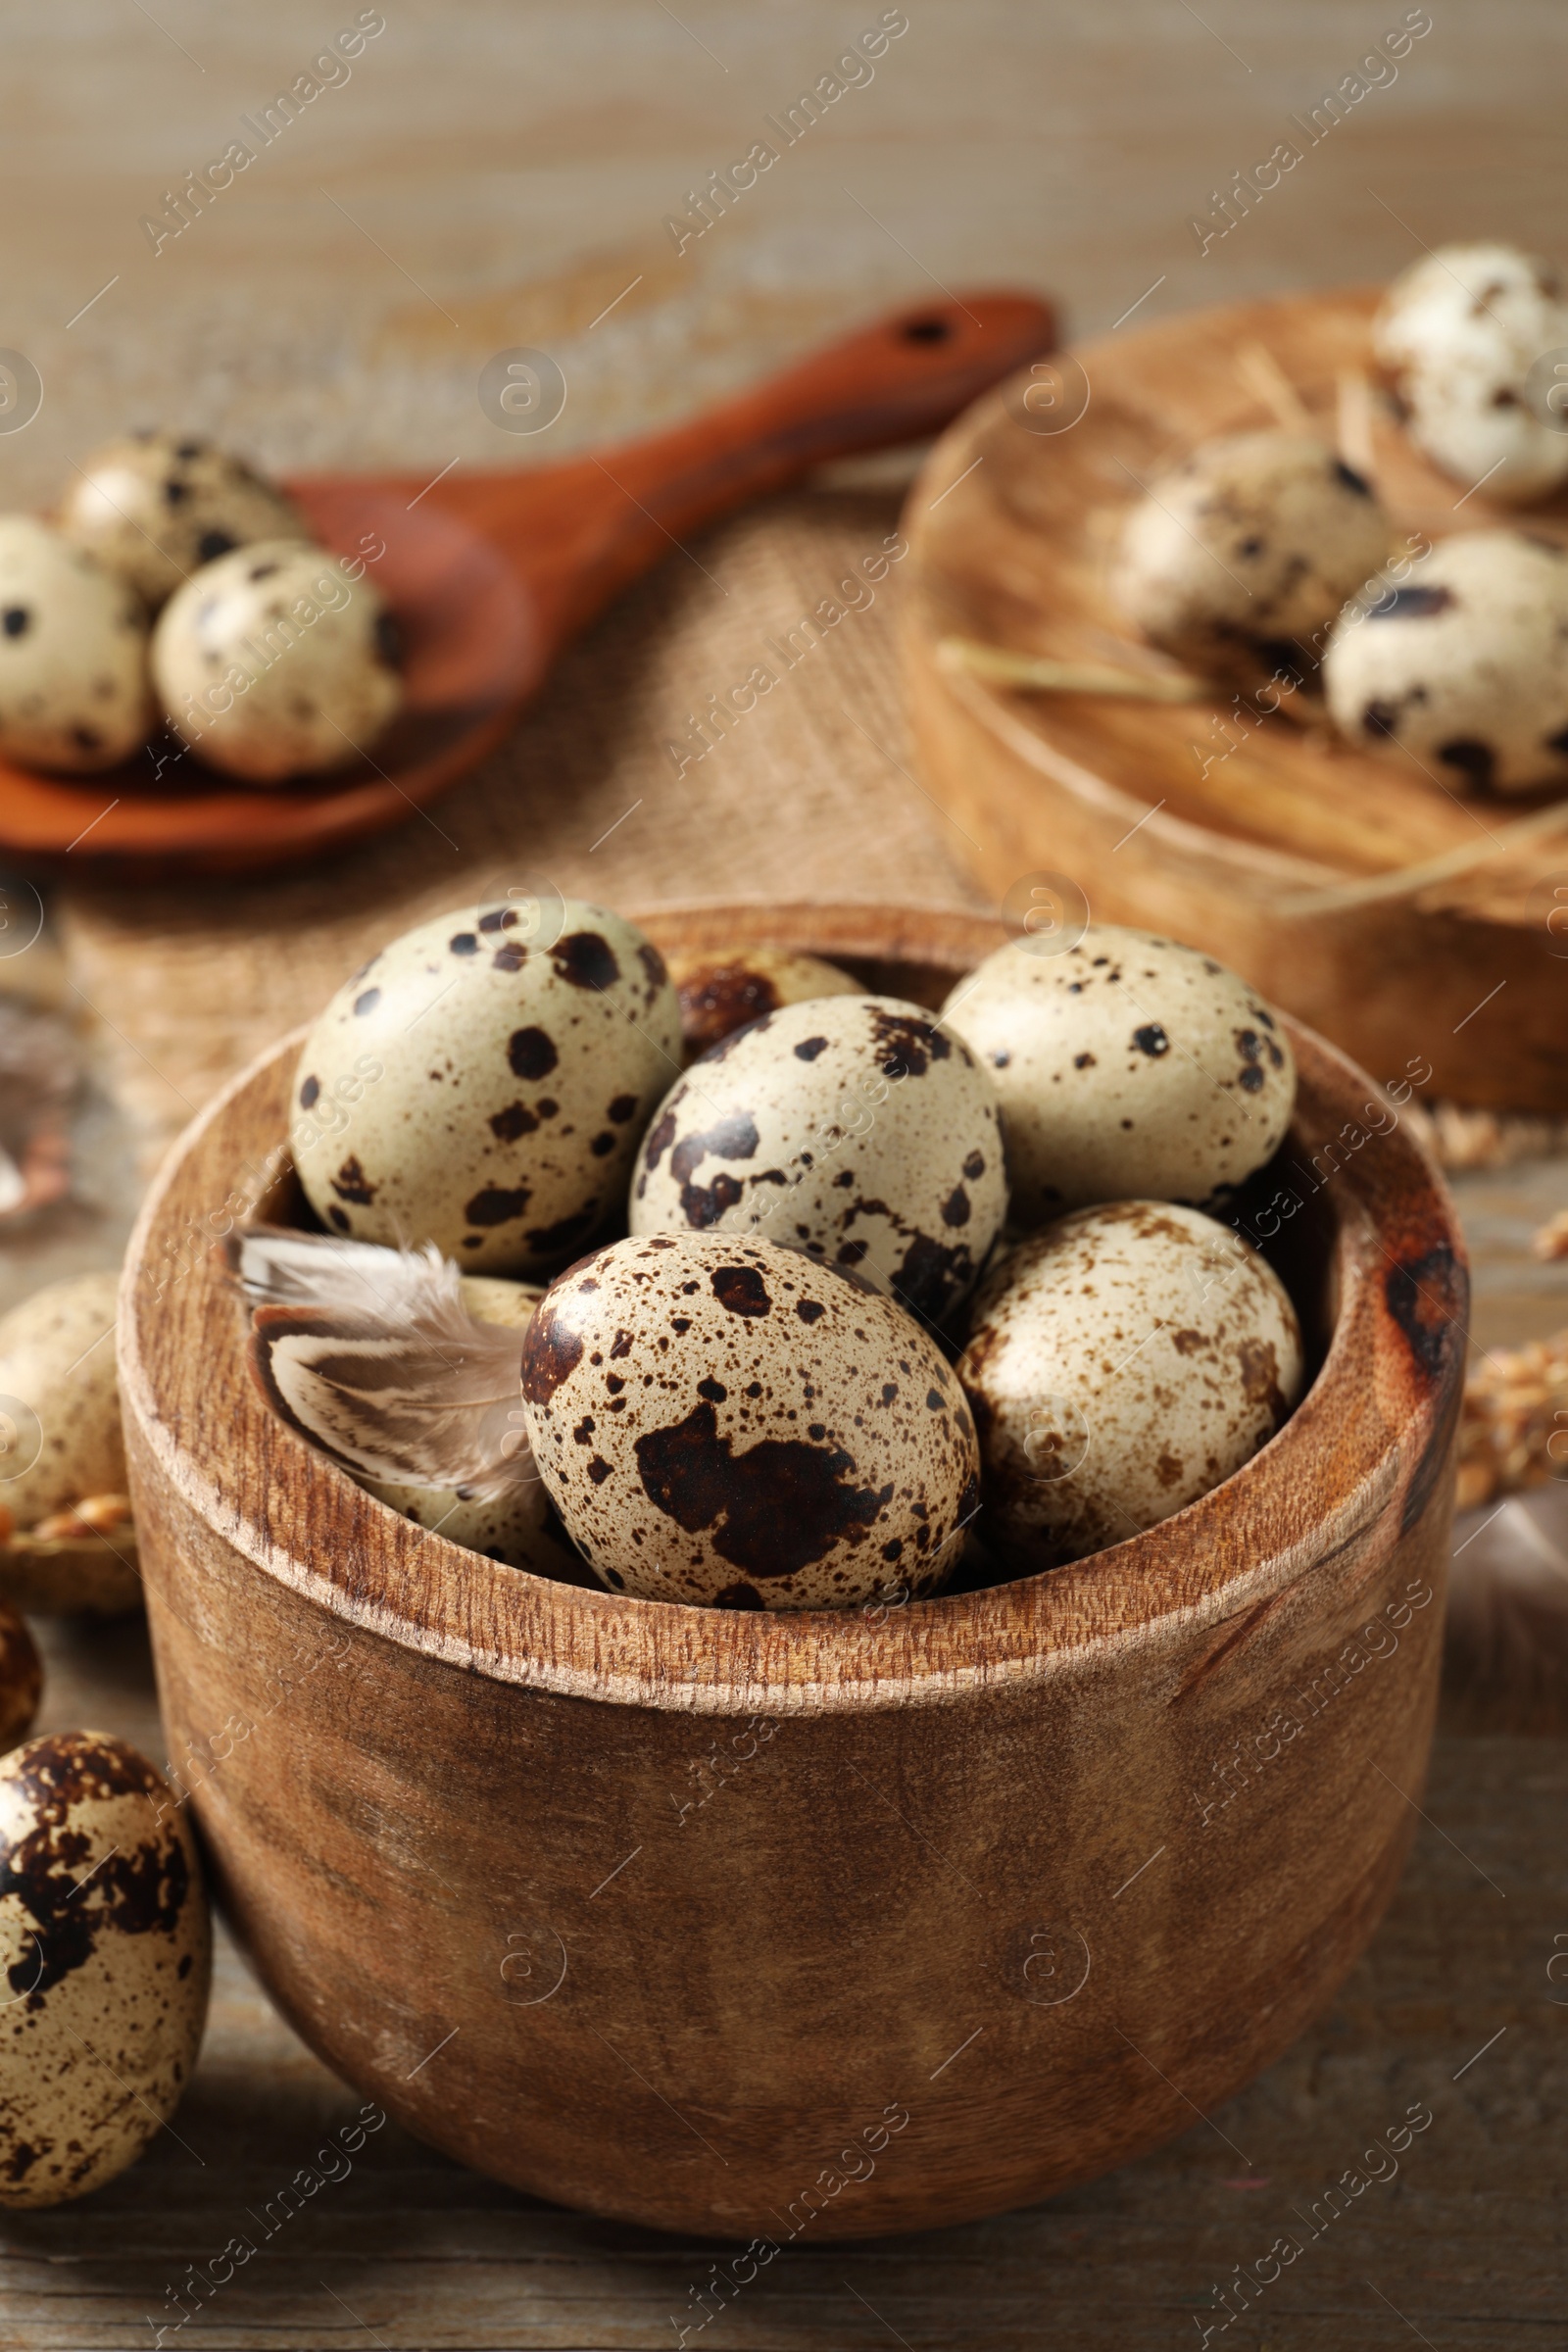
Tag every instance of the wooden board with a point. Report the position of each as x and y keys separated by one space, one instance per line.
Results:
x=1198 y=819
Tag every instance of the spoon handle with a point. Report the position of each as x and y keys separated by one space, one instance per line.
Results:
x=580 y=532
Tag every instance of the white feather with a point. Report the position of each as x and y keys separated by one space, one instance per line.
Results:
x=371 y=1355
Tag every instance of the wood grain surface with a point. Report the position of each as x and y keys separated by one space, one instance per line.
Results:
x=519 y=162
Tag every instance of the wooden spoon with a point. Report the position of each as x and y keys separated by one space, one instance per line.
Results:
x=490 y=573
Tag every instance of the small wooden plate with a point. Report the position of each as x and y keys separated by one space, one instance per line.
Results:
x=816 y=1926
x=1011 y=526
x=490 y=573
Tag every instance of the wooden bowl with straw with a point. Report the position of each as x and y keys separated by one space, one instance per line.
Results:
x=797 y=1927
x=1408 y=923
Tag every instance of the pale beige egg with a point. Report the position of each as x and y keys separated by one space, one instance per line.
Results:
x=60 y=1431
x=154 y=507
x=275 y=661
x=723 y=1421
x=105 y=1956
x=1122 y=1362
x=1238 y=558
x=73 y=690
x=858 y=1129
x=473 y=1089
x=1127 y=1066
x=1456 y=672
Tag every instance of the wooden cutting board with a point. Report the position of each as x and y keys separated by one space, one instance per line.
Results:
x=1408 y=923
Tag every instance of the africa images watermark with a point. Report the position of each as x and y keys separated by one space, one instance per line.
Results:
x=328 y=72
x=707 y=206
x=1377 y=71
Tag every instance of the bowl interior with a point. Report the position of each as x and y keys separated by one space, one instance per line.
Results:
x=1360 y=1232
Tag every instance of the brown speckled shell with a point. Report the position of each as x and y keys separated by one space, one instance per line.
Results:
x=470 y=1088
x=1129 y=1068
x=720 y=1420
x=722 y=990
x=1121 y=1363
x=856 y=1129
x=104 y=1954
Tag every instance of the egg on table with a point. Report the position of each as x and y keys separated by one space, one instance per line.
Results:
x=1461 y=334
x=474 y=1089
x=1459 y=668
x=60 y=1431
x=1127 y=1066
x=105 y=1948
x=1121 y=1363
x=274 y=662
x=153 y=507
x=858 y=1129
x=73 y=690
x=723 y=1421
x=723 y=989
x=1238 y=560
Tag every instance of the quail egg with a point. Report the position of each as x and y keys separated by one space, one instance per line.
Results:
x=106 y=1952
x=854 y=1128
x=73 y=655
x=1239 y=559
x=1462 y=668
x=273 y=661
x=722 y=1421
x=1120 y=1364
x=1461 y=333
x=724 y=990
x=154 y=507
x=1126 y=1065
x=487 y=1094
x=60 y=1432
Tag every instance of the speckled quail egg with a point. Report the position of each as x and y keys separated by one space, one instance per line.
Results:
x=518 y=1524
x=852 y=1128
x=154 y=507
x=21 y=1678
x=722 y=991
x=1121 y=1363
x=273 y=661
x=723 y=1421
x=60 y=1432
x=470 y=1088
x=1461 y=667
x=1461 y=333
x=1127 y=1066
x=1238 y=557
x=73 y=655
x=106 y=1951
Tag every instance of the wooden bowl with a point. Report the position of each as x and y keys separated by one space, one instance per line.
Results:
x=1398 y=918
x=822 y=1923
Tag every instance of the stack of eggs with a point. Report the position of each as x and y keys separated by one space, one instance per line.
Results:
x=175 y=580
x=1263 y=559
x=869 y=1284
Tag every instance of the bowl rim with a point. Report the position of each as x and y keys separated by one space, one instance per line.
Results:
x=1373 y=1425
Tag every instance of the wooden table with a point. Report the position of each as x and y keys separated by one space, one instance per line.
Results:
x=502 y=176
